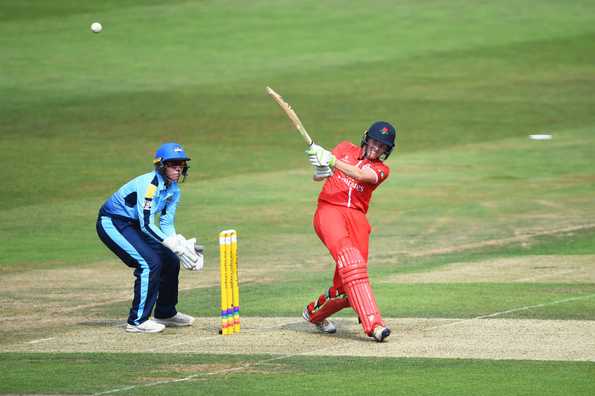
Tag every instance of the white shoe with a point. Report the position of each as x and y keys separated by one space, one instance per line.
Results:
x=306 y=315
x=380 y=333
x=178 y=320
x=326 y=326
x=148 y=326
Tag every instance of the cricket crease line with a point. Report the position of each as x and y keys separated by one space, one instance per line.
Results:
x=222 y=371
x=287 y=356
x=376 y=256
x=511 y=311
x=200 y=340
x=40 y=340
x=86 y=306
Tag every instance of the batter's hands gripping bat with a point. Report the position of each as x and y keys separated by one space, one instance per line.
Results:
x=292 y=115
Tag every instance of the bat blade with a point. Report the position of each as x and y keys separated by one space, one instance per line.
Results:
x=291 y=114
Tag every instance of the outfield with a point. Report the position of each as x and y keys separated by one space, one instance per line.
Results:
x=483 y=247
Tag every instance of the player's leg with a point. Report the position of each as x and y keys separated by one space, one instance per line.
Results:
x=326 y=305
x=334 y=299
x=130 y=245
x=354 y=273
x=359 y=230
x=168 y=286
x=345 y=232
x=165 y=308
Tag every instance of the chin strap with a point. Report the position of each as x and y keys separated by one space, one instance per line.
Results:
x=364 y=151
x=364 y=154
x=160 y=167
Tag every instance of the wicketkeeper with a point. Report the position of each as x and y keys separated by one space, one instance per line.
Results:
x=126 y=225
x=351 y=174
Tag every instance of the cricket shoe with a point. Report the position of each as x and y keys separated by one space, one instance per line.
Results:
x=326 y=326
x=380 y=333
x=178 y=320
x=148 y=326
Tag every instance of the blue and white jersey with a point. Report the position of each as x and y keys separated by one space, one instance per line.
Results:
x=141 y=199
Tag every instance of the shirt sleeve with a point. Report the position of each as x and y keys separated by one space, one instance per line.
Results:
x=145 y=197
x=380 y=170
x=339 y=149
x=168 y=214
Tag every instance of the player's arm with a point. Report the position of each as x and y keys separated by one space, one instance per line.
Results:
x=322 y=171
x=318 y=156
x=191 y=255
x=167 y=216
x=145 y=195
x=365 y=175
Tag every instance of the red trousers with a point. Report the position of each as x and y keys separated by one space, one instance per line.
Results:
x=345 y=232
x=338 y=227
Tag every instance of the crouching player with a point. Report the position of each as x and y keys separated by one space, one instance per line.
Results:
x=126 y=225
x=351 y=174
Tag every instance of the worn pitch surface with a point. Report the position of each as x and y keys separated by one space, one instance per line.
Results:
x=48 y=305
x=412 y=337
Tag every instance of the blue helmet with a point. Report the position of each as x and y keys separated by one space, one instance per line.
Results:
x=170 y=152
x=383 y=132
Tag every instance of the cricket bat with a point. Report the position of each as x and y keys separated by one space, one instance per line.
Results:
x=291 y=114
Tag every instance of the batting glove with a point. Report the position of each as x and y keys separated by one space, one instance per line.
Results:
x=318 y=156
x=322 y=172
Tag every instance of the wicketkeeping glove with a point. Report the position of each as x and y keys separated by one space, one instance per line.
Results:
x=190 y=257
x=174 y=244
x=198 y=250
x=318 y=156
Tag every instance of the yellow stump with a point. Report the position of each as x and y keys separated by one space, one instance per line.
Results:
x=235 y=282
x=222 y=270
x=230 y=290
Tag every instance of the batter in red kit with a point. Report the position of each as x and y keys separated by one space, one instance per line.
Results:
x=351 y=174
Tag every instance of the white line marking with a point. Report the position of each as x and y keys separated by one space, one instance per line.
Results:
x=200 y=340
x=511 y=311
x=222 y=371
x=40 y=340
x=287 y=356
x=528 y=235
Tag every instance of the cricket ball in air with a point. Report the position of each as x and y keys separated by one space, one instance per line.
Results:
x=96 y=27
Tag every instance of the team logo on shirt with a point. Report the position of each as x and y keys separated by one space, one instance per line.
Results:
x=351 y=183
x=147 y=205
x=381 y=174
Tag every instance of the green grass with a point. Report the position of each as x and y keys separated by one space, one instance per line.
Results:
x=569 y=243
x=211 y=374
x=466 y=83
x=451 y=300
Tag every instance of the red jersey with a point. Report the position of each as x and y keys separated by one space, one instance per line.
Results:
x=343 y=190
